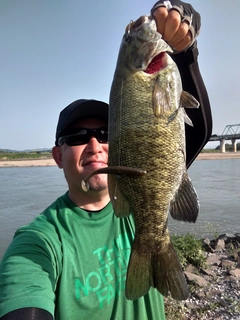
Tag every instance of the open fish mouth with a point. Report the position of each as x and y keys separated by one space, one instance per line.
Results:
x=156 y=64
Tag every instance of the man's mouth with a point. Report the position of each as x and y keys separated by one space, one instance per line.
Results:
x=156 y=64
x=95 y=163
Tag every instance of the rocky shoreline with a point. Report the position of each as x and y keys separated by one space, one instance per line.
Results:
x=214 y=290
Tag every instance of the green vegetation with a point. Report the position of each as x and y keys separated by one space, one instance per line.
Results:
x=210 y=151
x=25 y=155
x=189 y=249
x=174 y=310
x=211 y=230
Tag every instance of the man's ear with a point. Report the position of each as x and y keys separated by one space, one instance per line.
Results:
x=57 y=156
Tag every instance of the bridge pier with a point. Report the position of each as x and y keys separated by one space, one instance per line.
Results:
x=222 y=145
x=231 y=132
x=234 y=145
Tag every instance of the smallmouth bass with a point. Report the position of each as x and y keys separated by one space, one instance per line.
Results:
x=147 y=173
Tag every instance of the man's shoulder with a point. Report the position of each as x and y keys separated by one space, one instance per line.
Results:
x=47 y=221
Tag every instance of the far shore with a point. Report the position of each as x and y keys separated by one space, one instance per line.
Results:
x=51 y=162
x=218 y=155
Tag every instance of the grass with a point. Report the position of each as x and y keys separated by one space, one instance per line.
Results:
x=190 y=250
x=174 y=310
x=24 y=155
x=210 y=151
x=212 y=230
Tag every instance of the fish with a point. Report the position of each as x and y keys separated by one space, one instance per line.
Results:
x=147 y=174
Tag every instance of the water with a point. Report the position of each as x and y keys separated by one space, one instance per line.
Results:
x=26 y=192
x=217 y=183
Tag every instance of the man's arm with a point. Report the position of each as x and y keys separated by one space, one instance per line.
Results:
x=179 y=25
x=28 y=314
x=198 y=135
x=28 y=275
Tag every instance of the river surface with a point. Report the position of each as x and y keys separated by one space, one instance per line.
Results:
x=26 y=191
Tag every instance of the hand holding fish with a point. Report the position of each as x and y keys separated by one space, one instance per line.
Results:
x=178 y=23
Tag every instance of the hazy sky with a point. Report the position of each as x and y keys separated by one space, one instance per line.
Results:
x=56 y=51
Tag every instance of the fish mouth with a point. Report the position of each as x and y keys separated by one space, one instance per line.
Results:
x=156 y=64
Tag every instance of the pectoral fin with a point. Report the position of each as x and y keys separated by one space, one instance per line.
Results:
x=188 y=101
x=160 y=100
x=185 y=206
x=187 y=120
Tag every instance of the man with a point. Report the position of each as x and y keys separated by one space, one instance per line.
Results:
x=70 y=262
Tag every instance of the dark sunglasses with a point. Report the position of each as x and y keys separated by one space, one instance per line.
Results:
x=84 y=135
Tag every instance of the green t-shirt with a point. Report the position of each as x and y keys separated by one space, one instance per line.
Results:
x=73 y=264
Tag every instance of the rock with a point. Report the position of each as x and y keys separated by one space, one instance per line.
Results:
x=200 y=295
x=191 y=306
x=208 y=272
x=237 y=235
x=216 y=295
x=220 y=245
x=200 y=281
x=206 y=241
x=236 y=257
x=223 y=236
x=230 y=238
x=227 y=264
x=213 y=259
x=227 y=237
x=213 y=293
x=207 y=245
x=191 y=268
x=232 y=245
x=235 y=273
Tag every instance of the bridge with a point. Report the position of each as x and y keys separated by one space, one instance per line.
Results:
x=231 y=132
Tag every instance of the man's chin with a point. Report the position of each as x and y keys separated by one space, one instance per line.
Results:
x=98 y=183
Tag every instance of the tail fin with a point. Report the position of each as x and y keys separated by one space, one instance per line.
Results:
x=160 y=270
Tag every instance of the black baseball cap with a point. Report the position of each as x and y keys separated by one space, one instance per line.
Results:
x=79 y=109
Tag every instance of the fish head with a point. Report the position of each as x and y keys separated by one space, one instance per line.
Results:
x=143 y=46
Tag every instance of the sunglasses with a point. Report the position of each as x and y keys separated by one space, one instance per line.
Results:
x=84 y=135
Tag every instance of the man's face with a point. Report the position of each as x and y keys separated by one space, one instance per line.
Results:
x=81 y=160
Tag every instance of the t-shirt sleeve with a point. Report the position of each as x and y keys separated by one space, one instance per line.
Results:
x=28 y=273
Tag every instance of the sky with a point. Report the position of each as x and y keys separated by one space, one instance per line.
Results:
x=56 y=51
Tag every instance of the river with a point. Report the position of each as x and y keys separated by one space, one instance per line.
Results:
x=26 y=191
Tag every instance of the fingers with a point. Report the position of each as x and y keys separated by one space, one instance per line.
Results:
x=160 y=15
x=183 y=43
x=175 y=32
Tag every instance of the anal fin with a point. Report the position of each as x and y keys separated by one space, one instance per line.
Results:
x=138 y=280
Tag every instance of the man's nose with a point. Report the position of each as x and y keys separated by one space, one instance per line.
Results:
x=93 y=145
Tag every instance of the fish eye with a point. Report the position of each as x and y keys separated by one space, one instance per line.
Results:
x=128 y=39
